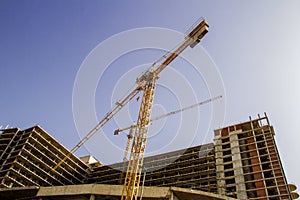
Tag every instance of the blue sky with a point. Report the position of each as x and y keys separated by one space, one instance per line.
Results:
x=255 y=46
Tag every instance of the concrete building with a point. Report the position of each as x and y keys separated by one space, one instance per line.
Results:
x=28 y=156
x=248 y=165
x=243 y=163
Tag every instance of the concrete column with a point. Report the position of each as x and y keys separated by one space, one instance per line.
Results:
x=237 y=165
x=92 y=197
x=219 y=166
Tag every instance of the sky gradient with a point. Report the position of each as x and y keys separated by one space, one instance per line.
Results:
x=254 y=44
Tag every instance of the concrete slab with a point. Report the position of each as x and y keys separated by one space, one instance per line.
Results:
x=104 y=192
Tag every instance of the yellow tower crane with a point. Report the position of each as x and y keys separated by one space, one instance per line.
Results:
x=146 y=83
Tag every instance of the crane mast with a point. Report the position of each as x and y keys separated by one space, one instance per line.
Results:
x=148 y=82
x=128 y=145
x=134 y=169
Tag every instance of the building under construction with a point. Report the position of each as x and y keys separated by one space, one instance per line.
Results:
x=27 y=158
x=242 y=163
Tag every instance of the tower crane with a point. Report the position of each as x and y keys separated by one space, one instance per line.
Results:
x=132 y=127
x=146 y=83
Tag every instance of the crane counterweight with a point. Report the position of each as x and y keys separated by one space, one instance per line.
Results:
x=198 y=33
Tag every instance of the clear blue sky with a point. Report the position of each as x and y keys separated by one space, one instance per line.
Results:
x=254 y=44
